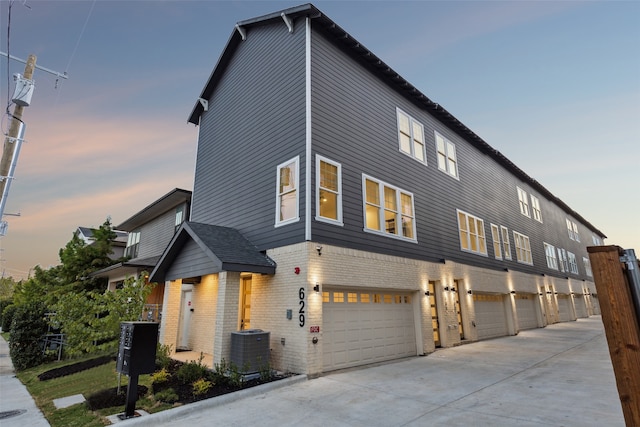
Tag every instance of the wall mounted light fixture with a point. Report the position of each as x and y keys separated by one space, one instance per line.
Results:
x=317 y=287
x=513 y=292
x=446 y=288
x=427 y=293
x=469 y=291
x=453 y=289
x=319 y=249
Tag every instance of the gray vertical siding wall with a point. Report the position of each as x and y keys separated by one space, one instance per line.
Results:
x=354 y=123
x=156 y=234
x=256 y=121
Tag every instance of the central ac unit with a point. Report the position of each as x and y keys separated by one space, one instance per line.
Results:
x=250 y=350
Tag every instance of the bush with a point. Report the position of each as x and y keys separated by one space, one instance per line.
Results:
x=27 y=327
x=7 y=317
x=161 y=376
x=3 y=303
x=163 y=356
x=191 y=372
x=201 y=387
x=168 y=396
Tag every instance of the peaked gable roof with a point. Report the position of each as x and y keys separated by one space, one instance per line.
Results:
x=225 y=249
x=369 y=60
x=169 y=201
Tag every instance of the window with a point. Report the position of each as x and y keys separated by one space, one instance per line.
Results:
x=535 y=207
x=133 y=244
x=506 y=246
x=596 y=240
x=562 y=256
x=411 y=136
x=179 y=217
x=576 y=235
x=495 y=236
x=570 y=229
x=329 y=196
x=447 y=160
x=287 y=192
x=587 y=266
x=471 y=230
x=550 y=252
x=523 y=248
x=573 y=264
x=388 y=209
x=524 y=202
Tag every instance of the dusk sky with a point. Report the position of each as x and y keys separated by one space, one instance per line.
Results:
x=554 y=86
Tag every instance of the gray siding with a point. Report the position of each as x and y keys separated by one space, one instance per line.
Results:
x=156 y=234
x=354 y=123
x=190 y=262
x=256 y=121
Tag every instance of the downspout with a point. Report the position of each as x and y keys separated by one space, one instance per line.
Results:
x=308 y=162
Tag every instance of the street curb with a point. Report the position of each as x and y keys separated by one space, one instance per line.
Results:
x=180 y=411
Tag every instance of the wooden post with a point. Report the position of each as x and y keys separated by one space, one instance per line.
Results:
x=620 y=324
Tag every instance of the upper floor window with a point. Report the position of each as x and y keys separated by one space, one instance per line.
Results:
x=596 y=240
x=388 y=209
x=587 y=266
x=535 y=208
x=411 y=136
x=329 y=190
x=572 y=230
x=562 y=258
x=524 y=202
x=133 y=244
x=495 y=236
x=523 y=248
x=506 y=246
x=179 y=217
x=447 y=160
x=287 y=192
x=550 y=252
x=573 y=264
x=576 y=235
x=471 y=231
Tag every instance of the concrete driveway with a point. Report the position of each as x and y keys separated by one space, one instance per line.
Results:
x=560 y=375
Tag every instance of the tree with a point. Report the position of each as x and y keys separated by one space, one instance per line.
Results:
x=27 y=328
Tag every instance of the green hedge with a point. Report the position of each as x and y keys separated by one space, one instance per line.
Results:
x=7 y=317
x=28 y=326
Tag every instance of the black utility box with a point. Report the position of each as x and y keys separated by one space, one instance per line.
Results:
x=137 y=349
x=250 y=350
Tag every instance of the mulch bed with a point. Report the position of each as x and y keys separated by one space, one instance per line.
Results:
x=74 y=368
x=110 y=397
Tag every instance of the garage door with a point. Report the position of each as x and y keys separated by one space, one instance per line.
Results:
x=363 y=327
x=581 y=305
x=526 y=311
x=564 y=308
x=491 y=318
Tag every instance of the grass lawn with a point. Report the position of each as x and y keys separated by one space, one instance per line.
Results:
x=85 y=383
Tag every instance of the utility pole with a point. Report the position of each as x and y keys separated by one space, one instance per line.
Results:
x=12 y=144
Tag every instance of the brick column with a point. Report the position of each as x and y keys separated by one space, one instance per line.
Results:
x=227 y=314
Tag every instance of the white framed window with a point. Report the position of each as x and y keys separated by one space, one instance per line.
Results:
x=388 y=210
x=596 y=240
x=179 y=217
x=550 y=252
x=506 y=246
x=287 y=192
x=524 y=202
x=573 y=264
x=576 y=235
x=471 y=231
x=411 y=136
x=535 y=208
x=523 y=248
x=133 y=244
x=447 y=160
x=329 y=190
x=587 y=266
x=497 y=245
x=562 y=257
x=570 y=229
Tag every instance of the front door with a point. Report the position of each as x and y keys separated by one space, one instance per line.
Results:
x=186 y=310
x=245 y=304
x=458 y=311
x=434 y=313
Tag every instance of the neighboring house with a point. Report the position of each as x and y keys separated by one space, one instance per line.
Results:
x=149 y=232
x=118 y=245
x=340 y=209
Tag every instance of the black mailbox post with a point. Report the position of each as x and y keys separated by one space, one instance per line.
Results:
x=136 y=355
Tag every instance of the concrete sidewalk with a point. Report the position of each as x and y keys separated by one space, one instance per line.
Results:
x=17 y=408
x=560 y=375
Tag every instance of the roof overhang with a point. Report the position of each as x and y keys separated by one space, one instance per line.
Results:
x=170 y=200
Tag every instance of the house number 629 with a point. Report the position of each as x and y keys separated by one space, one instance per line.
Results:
x=301 y=311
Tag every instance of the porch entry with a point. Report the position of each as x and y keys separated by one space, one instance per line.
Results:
x=245 y=303
x=186 y=311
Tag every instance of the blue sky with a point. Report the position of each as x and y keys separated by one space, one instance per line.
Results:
x=554 y=86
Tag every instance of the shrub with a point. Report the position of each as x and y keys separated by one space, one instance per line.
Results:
x=163 y=356
x=236 y=378
x=161 y=376
x=201 y=387
x=4 y=303
x=7 y=317
x=27 y=328
x=168 y=395
x=190 y=372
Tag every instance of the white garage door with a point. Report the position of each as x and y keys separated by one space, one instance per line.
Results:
x=491 y=318
x=363 y=327
x=581 y=305
x=526 y=311
x=564 y=308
